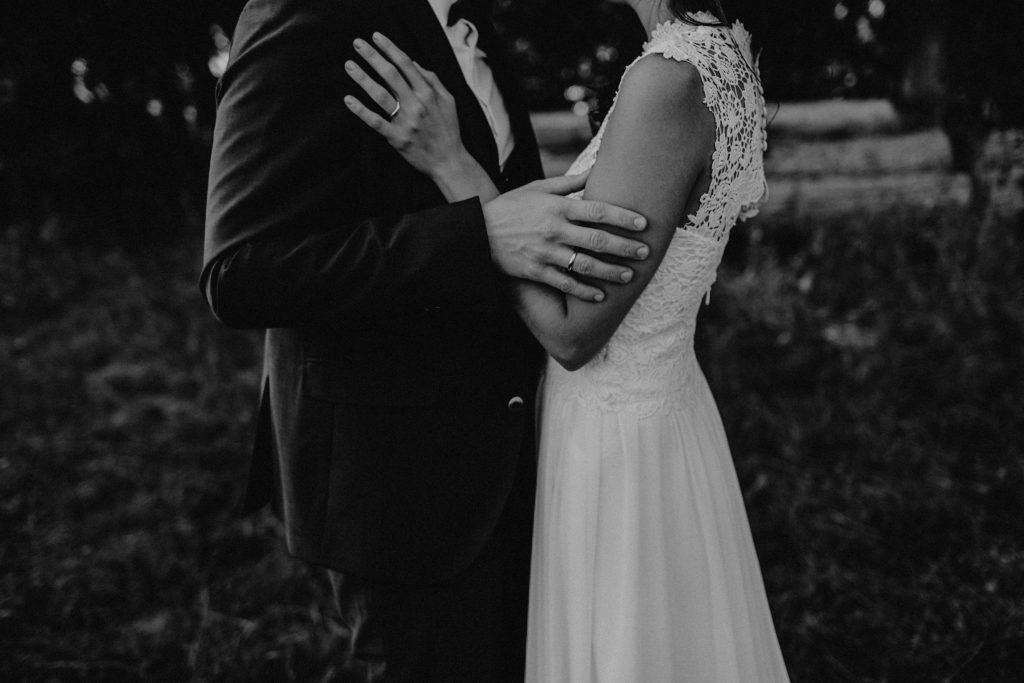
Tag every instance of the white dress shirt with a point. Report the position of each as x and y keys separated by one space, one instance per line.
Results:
x=463 y=37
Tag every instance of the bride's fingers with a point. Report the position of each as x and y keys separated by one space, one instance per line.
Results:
x=403 y=62
x=378 y=93
x=372 y=120
x=389 y=72
x=431 y=78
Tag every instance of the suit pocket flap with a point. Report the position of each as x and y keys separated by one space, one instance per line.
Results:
x=368 y=383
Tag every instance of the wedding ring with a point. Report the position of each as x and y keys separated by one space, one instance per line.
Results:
x=394 y=112
x=572 y=260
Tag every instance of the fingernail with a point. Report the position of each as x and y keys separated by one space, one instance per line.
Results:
x=627 y=275
x=360 y=43
x=350 y=66
x=349 y=100
x=642 y=252
x=599 y=297
x=640 y=223
x=378 y=37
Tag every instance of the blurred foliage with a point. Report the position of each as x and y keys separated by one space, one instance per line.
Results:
x=869 y=370
x=105 y=114
x=981 y=65
x=810 y=49
x=807 y=52
x=106 y=107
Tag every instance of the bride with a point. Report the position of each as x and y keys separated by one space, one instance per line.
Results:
x=643 y=564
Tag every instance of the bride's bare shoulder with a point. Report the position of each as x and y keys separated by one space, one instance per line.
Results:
x=656 y=83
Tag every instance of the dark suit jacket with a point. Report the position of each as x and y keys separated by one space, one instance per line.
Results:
x=387 y=436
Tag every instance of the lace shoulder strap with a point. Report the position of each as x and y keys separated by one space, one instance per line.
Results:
x=701 y=46
x=733 y=94
x=671 y=39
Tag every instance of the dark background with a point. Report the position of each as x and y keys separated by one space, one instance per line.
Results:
x=864 y=341
x=113 y=98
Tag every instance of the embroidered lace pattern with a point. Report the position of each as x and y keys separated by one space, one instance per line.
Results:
x=648 y=366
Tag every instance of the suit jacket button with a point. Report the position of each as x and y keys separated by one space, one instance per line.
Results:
x=515 y=404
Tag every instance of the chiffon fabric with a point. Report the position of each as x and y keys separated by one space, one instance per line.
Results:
x=643 y=568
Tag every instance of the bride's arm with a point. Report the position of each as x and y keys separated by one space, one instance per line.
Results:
x=655 y=149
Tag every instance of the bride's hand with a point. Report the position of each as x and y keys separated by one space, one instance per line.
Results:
x=421 y=122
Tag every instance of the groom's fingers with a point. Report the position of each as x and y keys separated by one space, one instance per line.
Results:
x=603 y=213
x=565 y=184
x=431 y=78
x=558 y=279
x=588 y=266
x=600 y=241
x=586 y=211
x=389 y=72
x=378 y=93
x=403 y=62
x=368 y=117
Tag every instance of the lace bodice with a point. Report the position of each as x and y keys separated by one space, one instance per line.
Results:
x=648 y=366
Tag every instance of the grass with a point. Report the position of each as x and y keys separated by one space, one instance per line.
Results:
x=870 y=371
x=123 y=431
x=871 y=375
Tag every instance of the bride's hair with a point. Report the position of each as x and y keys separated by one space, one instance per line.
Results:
x=685 y=9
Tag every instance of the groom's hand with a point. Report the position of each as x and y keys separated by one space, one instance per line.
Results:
x=534 y=231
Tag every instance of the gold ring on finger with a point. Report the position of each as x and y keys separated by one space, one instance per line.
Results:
x=394 y=112
x=572 y=261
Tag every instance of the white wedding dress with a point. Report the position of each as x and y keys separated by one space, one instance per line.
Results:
x=644 y=570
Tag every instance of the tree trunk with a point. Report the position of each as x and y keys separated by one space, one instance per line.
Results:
x=923 y=85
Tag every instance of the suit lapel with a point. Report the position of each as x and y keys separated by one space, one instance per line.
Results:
x=524 y=163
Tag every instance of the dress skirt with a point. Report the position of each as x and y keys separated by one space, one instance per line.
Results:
x=643 y=565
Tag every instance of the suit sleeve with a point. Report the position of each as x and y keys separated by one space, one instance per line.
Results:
x=285 y=245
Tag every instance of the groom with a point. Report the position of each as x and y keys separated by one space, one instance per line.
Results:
x=395 y=428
